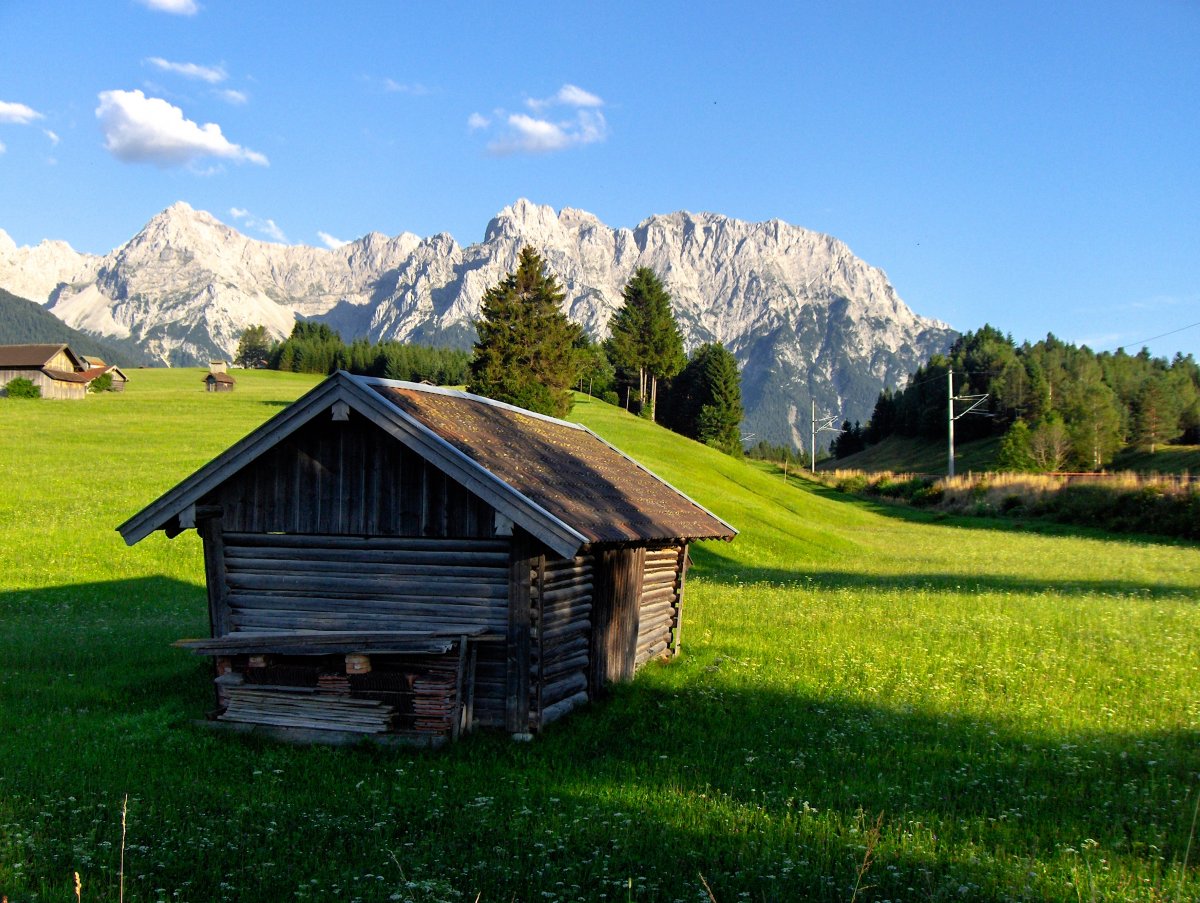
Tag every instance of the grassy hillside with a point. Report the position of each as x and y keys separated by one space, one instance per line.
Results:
x=1164 y=459
x=902 y=454
x=22 y=322
x=974 y=713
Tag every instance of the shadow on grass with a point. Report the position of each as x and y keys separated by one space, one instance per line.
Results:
x=1024 y=524
x=696 y=768
x=714 y=567
x=970 y=807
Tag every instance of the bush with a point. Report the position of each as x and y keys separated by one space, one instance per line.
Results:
x=102 y=383
x=22 y=388
x=610 y=397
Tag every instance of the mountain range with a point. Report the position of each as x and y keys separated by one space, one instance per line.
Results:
x=806 y=319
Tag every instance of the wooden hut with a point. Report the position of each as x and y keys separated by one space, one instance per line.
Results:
x=218 y=381
x=405 y=561
x=55 y=369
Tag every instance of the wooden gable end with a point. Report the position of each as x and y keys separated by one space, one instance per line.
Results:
x=350 y=478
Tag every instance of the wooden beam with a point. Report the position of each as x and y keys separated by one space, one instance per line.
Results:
x=517 y=657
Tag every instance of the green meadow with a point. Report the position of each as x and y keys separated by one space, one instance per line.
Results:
x=872 y=704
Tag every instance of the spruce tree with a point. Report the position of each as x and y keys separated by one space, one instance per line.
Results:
x=644 y=340
x=707 y=399
x=525 y=354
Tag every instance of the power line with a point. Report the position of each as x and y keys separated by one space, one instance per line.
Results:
x=1153 y=337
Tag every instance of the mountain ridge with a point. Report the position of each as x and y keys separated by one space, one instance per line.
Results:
x=805 y=317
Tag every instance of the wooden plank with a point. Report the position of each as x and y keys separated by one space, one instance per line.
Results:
x=210 y=530
x=405 y=543
x=516 y=707
x=329 y=584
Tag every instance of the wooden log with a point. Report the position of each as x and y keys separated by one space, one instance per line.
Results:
x=301 y=602
x=357 y=663
x=552 y=713
x=568 y=685
x=516 y=706
x=552 y=670
x=564 y=648
x=571 y=591
x=337 y=585
x=283 y=620
x=383 y=567
x=565 y=613
x=566 y=629
x=398 y=543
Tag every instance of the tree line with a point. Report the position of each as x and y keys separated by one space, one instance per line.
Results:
x=1054 y=406
x=316 y=348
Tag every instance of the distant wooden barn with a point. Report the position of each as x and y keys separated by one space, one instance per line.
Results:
x=399 y=560
x=55 y=369
x=218 y=381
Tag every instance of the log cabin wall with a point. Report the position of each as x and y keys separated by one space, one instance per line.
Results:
x=659 y=604
x=340 y=527
x=561 y=607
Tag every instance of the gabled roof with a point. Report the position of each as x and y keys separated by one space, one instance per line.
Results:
x=34 y=356
x=557 y=480
x=218 y=377
x=96 y=372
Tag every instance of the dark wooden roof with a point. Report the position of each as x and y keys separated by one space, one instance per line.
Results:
x=556 y=480
x=563 y=467
x=34 y=356
x=218 y=377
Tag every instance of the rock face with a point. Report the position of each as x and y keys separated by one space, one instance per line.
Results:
x=805 y=317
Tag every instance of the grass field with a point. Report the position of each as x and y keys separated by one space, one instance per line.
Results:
x=871 y=705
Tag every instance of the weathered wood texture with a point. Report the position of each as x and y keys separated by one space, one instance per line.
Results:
x=518 y=646
x=561 y=611
x=349 y=478
x=615 y=616
x=659 y=603
x=280 y=582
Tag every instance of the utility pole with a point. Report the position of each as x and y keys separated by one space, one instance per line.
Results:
x=826 y=424
x=976 y=401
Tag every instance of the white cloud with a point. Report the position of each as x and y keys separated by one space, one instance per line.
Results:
x=266 y=227
x=141 y=129
x=528 y=135
x=330 y=242
x=237 y=98
x=3 y=147
x=210 y=74
x=175 y=7
x=414 y=88
x=568 y=95
x=18 y=113
x=53 y=136
x=521 y=133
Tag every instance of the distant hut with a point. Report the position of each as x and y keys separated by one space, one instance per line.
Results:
x=218 y=379
x=55 y=369
x=393 y=559
x=119 y=379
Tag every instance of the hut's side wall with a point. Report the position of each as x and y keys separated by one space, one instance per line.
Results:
x=659 y=605
x=561 y=624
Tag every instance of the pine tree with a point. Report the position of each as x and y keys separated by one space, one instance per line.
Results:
x=707 y=399
x=525 y=354
x=644 y=339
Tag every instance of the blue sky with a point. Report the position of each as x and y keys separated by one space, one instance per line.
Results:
x=1029 y=165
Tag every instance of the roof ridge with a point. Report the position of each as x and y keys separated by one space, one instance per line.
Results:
x=459 y=393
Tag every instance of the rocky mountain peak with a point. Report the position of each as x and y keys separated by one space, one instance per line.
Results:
x=804 y=316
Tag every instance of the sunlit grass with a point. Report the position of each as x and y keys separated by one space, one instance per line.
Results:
x=1023 y=709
